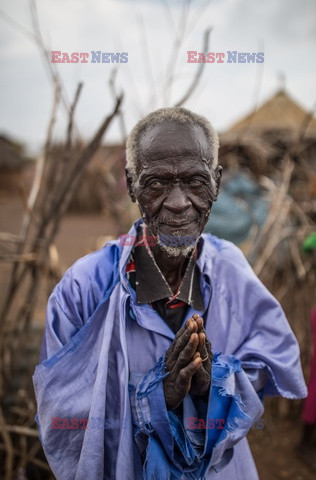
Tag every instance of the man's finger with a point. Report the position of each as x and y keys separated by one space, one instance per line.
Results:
x=199 y=322
x=187 y=353
x=182 y=330
x=189 y=324
x=179 y=343
x=188 y=328
x=205 y=352
x=171 y=355
x=186 y=373
x=208 y=346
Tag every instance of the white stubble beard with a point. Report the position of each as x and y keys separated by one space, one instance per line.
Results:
x=173 y=251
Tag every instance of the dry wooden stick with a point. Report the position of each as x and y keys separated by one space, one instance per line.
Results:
x=14 y=281
x=46 y=225
x=29 y=456
x=47 y=229
x=8 y=447
x=270 y=246
x=21 y=430
x=47 y=186
x=23 y=450
x=55 y=173
x=120 y=113
x=45 y=51
x=199 y=71
x=298 y=261
x=69 y=183
x=16 y=258
x=71 y=116
x=35 y=461
x=13 y=238
x=180 y=34
x=280 y=195
x=148 y=62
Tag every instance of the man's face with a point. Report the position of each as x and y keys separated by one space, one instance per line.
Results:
x=176 y=187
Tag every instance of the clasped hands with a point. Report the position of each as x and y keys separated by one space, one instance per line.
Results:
x=189 y=363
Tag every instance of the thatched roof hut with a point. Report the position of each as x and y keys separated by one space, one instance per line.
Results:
x=102 y=181
x=11 y=155
x=102 y=187
x=260 y=140
x=276 y=145
x=12 y=164
x=281 y=112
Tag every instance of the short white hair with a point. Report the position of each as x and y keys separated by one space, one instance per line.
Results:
x=177 y=114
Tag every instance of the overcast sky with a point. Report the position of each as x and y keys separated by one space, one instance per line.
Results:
x=284 y=29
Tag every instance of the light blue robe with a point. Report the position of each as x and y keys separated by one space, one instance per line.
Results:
x=102 y=360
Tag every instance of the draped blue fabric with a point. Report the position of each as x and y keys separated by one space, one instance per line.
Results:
x=102 y=360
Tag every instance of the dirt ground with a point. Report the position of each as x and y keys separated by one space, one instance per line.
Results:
x=274 y=451
x=273 y=447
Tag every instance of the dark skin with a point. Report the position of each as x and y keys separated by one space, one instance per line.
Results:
x=175 y=190
x=184 y=362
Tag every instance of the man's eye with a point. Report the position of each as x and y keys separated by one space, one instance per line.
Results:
x=195 y=182
x=155 y=183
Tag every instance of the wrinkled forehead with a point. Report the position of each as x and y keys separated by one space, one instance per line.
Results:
x=171 y=139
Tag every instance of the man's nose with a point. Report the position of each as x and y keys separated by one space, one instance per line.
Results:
x=177 y=201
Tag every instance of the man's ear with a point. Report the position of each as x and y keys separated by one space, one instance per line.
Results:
x=130 y=187
x=218 y=177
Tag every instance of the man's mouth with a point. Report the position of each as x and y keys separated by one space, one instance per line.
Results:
x=179 y=224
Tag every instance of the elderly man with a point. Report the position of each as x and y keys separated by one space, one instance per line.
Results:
x=159 y=348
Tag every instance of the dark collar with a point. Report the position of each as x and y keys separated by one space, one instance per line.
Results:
x=151 y=285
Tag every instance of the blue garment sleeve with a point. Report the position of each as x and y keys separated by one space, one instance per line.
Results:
x=187 y=445
x=258 y=377
x=76 y=297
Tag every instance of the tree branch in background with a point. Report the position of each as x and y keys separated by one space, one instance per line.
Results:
x=55 y=181
x=199 y=71
x=112 y=86
x=171 y=66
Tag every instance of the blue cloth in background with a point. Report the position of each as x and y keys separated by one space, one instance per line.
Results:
x=240 y=205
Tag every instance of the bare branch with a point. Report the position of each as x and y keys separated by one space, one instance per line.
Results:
x=31 y=36
x=71 y=115
x=8 y=446
x=180 y=34
x=201 y=11
x=45 y=51
x=21 y=258
x=70 y=182
x=35 y=461
x=115 y=95
x=147 y=64
x=29 y=432
x=13 y=282
x=256 y=94
x=199 y=71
